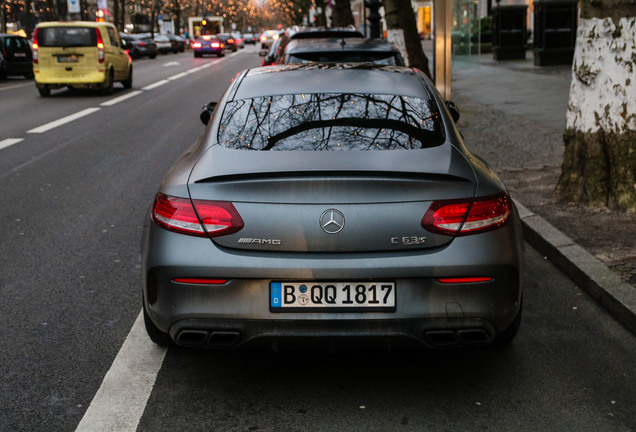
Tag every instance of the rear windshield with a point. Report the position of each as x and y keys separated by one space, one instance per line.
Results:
x=67 y=37
x=15 y=44
x=331 y=122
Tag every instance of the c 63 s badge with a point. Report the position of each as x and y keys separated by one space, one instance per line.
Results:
x=408 y=240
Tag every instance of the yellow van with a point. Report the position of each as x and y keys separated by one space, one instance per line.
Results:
x=79 y=54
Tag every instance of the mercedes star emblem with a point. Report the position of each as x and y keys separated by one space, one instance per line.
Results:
x=332 y=221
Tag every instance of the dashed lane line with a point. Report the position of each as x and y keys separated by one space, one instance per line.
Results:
x=122 y=98
x=9 y=142
x=121 y=399
x=63 y=120
x=155 y=85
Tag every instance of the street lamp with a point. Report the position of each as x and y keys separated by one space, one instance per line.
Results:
x=374 y=17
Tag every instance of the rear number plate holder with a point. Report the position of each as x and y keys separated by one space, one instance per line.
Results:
x=317 y=296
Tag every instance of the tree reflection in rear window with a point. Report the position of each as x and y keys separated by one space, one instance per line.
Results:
x=328 y=122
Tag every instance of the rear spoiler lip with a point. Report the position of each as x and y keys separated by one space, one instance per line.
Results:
x=376 y=175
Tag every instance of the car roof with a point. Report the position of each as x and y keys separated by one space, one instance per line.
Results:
x=330 y=78
x=322 y=32
x=340 y=44
x=74 y=24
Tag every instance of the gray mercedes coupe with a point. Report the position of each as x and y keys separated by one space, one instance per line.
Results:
x=332 y=204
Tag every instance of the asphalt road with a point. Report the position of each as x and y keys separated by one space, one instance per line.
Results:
x=73 y=199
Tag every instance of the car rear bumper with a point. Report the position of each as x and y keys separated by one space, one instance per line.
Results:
x=425 y=307
x=62 y=77
x=16 y=68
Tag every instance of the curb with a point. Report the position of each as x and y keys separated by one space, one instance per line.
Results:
x=589 y=273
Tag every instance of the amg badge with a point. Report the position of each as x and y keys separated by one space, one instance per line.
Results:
x=259 y=241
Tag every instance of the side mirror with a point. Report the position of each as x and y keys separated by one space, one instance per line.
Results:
x=263 y=53
x=454 y=111
x=206 y=113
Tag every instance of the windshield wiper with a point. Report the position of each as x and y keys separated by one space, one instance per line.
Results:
x=426 y=137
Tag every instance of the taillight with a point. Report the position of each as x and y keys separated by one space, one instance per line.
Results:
x=215 y=45
x=196 y=45
x=35 y=46
x=263 y=38
x=199 y=218
x=230 y=41
x=141 y=44
x=464 y=217
x=100 y=47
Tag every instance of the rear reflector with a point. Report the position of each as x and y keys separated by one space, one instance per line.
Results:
x=200 y=281
x=459 y=280
x=468 y=216
x=199 y=218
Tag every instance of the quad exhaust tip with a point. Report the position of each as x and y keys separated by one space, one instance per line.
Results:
x=212 y=338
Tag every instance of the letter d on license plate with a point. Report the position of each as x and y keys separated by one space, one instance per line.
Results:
x=332 y=296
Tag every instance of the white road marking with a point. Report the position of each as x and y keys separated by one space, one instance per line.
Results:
x=63 y=120
x=123 y=395
x=155 y=85
x=9 y=142
x=121 y=98
x=172 y=63
x=177 y=76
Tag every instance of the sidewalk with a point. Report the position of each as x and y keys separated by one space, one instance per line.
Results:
x=512 y=113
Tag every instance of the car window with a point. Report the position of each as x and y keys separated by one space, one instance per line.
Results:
x=344 y=57
x=67 y=36
x=16 y=43
x=112 y=35
x=328 y=122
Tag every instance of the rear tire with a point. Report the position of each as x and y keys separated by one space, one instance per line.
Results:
x=44 y=91
x=127 y=83
x=155 y=335
x=108 y=88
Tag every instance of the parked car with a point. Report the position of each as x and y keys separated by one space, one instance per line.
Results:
x=331 y=204
x=350 y=50
x=79 y=54
x=163 y=43
x=139 y=45
x=250 y=38
x=228 y=41
x=15 y=56
x=267 y=38
x=208 y=45
x=177 y=43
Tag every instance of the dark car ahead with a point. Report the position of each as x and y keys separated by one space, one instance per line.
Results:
x=208 y=44
x=139 y=45
x=349 y=50
x=336 y=204
x=228 y=41
x=16 y=58
x=250 y=38
x=277 y=51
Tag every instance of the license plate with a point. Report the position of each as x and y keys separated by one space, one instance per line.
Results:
x=19 y=54
x=332 y=296
x=68 y=59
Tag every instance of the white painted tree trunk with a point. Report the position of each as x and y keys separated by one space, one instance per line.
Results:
x=603 y=89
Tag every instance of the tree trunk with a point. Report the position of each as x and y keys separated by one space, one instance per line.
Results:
x=402 y=31
x=599 y=164
x=342 y=16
